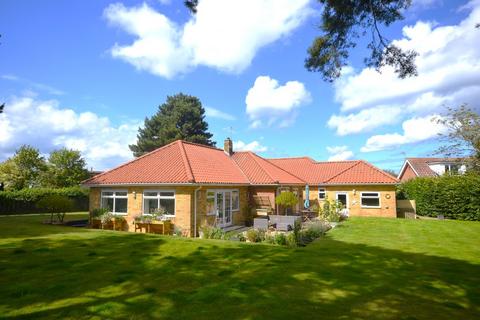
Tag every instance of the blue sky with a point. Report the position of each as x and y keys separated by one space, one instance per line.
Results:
x=85 y=74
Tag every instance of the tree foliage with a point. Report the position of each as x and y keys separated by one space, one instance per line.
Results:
x=24 y=169
x=343 y=22
x=180 y=117
x=66 y=168
x=463 y=135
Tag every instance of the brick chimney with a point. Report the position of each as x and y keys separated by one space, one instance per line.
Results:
x=228 y=146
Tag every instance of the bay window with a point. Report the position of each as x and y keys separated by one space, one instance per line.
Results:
x=116 y=201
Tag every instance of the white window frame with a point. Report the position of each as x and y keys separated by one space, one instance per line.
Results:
x=322 y=191
x=371 y=197
x=215 y=191
x=158 y=197
x=114 y=196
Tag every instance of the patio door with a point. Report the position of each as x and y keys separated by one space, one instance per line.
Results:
x=224 y=208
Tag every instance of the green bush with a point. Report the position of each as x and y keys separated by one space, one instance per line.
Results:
x=311 y=231
x=55 y=204
x=280 y=239
x=210 y=232
x=98 y=212
x=291 y=239
x=330 y=210
x=255 y=235
x=454 y=196
x=26 y=200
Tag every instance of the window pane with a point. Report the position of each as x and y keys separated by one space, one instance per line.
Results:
x=121 y=193
x=107 y=203
x=167 y=194
x=169 y=205
x=210 y=194
x=342 y=198
x=235 y=200
x=370 y=194
x=151 y=194
x=321 y=193
x=121 y=205
x=371 y=202
x=150 y=205
x=107 y=193
x=210 y=203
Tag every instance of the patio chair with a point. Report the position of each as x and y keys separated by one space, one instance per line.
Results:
x=260 y=223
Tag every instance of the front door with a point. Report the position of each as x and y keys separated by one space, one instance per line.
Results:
x=224 y=208
x=342 y=197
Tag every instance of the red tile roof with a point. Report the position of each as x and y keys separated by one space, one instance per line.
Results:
x=261 y=171
x=177 y=162
x=334 y=172
x=183 y=162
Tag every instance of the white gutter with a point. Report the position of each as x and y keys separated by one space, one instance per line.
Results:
x=195 y=212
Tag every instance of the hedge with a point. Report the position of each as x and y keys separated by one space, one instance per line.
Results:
x=455 y=197
x=25 y=201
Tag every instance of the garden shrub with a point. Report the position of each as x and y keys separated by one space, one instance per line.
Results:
x=26 y=200
x=210 y=232
x=255 y=235
x=55 y=204
x=286 y=199
x=291 y=239
x=330 y=210
x=280 y=239
x=454 y=196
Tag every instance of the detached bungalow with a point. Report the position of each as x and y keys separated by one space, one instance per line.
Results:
x=197 y=184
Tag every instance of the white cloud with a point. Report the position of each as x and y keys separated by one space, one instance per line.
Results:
x=223 y=34
x=269 y=101
x=254 y=146
x=449 y=75
x=414 y=130
x=47 y=126
x=448 y=61
x=339 y=153
x=365 y=120
x=215 y=113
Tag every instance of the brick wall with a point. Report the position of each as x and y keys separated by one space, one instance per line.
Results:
x=387 y=199
x=408 y=174
x=184 y=205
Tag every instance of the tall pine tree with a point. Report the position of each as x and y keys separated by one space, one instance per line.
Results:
x=180 y=117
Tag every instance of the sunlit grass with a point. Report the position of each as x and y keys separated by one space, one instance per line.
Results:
x=366 y=268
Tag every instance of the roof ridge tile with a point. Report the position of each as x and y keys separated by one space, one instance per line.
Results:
x=186 y=162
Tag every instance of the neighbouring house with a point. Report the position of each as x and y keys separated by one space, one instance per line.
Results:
x=431 y=167
x=197 y=184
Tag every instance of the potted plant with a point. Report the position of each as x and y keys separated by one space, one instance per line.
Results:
x=107 y=221
x=287 y=200
x=119 y=223
x=96 y=217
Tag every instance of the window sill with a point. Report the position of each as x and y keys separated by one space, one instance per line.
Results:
x=368 y=207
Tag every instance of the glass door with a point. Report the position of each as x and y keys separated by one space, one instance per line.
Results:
x=224 y=208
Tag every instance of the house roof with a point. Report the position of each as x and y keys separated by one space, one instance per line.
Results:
x=261 y=171
x=182 y=162
x=178 y=162
x=421 y=166
x=334 y=172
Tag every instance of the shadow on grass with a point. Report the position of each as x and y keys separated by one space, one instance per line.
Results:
x=118 y=276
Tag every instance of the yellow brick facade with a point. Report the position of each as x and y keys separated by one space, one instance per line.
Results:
x=387 y=199
x=184 y=205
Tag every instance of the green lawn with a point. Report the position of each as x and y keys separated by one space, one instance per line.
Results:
x=364 y=269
